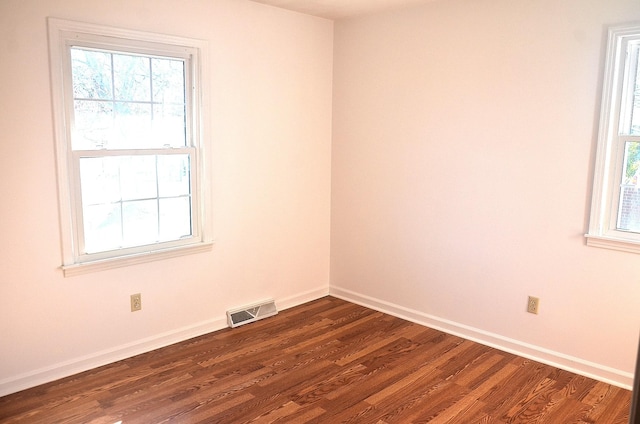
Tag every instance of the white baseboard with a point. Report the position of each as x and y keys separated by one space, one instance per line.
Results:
x=85 y=363
x=65 y=369
x=559 y=360
x=299 y=299
x=108 y=356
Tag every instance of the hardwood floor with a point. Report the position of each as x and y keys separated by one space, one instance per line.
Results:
x=328 y=361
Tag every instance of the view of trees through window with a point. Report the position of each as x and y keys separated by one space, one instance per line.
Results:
x=130 y=134
x=629 y=205
x=125 y=101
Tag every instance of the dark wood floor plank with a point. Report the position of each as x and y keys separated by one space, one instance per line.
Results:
x=328 y=361
x=470 y=406
x=474 y=371
x=423 y=399
x=353 y=413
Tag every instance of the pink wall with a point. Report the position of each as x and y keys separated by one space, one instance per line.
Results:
x=462 y=158
x=270 y=80
x=457 y=182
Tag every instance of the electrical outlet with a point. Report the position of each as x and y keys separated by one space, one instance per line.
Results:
x=136 y=302
x=532 y=305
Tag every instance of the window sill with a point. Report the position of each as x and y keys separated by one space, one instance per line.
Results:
x=613 y=243
x=101 y=265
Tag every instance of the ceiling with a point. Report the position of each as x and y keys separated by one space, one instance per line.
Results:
x=340 y=9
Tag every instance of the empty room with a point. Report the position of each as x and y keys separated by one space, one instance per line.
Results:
x=375 y=211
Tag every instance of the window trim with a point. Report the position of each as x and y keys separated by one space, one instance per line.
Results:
x=610 y=148
x=61 y=35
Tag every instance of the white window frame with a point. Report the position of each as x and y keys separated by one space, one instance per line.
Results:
x=609 y=164
x=63 y=35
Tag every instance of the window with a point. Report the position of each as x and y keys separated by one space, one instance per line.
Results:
x=130 y=145
x=615 y=209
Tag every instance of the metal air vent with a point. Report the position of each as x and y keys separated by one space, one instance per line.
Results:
x=251 y=313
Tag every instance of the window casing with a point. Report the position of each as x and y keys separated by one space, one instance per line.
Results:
x=131 y=145
x=615 y=208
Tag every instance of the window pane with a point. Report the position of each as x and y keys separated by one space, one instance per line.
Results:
x=173 y=175
x=175 y=218
x=100 y=179
x=635 y=112
x=138 y=177
x=169 y=125
x=629 y=208
x=91 y=74
x=132 y=126
x=140 y=222
x=132 y=78
x=102 y=227
x=168 y=81
x=169 y=117
x=93 y=126
x=145 y=108
x=135 y=200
